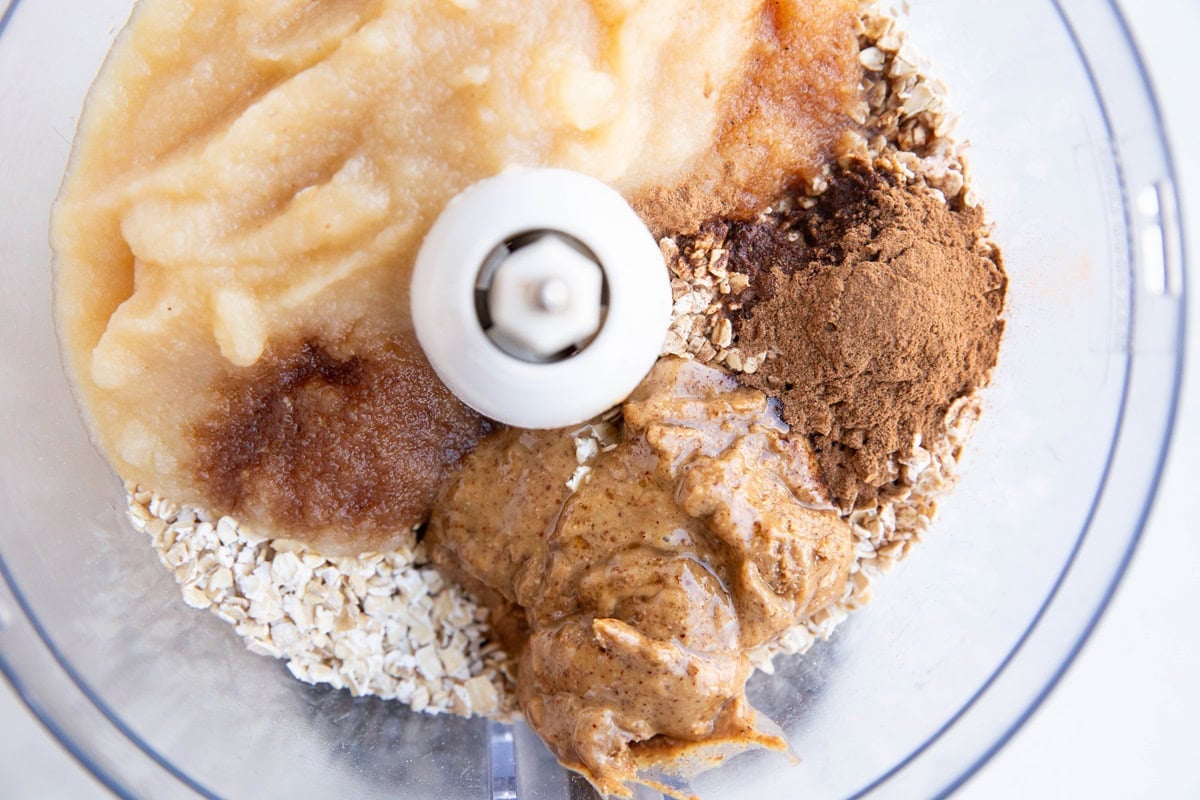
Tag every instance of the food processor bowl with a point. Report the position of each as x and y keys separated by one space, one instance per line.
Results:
x=909 y=696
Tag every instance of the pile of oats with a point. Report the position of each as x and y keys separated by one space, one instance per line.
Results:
x=701 y=286
x=383 y=624
x=907 y=114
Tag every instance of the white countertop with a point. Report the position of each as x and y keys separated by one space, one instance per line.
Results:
x=1125 y=721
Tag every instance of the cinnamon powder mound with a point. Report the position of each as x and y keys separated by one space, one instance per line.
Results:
x=882 y=306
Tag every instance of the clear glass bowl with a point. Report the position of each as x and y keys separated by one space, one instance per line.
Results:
x=912 y=693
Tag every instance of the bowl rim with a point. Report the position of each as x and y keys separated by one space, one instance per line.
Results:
x=1140 y=95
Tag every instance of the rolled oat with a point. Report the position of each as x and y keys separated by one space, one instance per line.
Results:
x=383 y=624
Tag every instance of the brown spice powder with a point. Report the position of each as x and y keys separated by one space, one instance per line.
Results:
x=883 y=305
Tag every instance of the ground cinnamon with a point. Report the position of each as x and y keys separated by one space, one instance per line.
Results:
x=882 y=305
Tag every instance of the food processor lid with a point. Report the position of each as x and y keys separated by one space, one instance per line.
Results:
x=540 y=298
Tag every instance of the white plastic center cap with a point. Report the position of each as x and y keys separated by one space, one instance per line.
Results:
x=540 y=298
x=545 y=299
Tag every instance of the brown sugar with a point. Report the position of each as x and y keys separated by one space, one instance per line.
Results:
x=349 y=451
x=882 y=304
x=781 y=120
